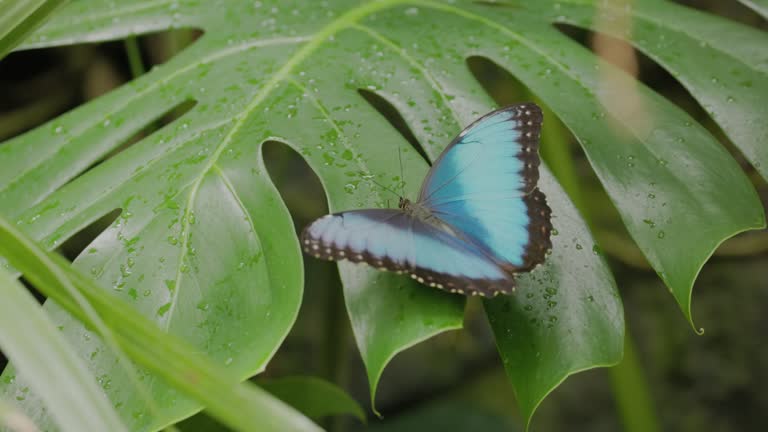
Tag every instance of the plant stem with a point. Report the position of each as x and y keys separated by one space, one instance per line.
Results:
x=133 y=53
x=556 y=151
x=336 y=343
x=630 y=388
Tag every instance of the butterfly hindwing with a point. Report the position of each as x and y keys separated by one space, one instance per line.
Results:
x=393 y=240
x=539 y=230
x=379 y=237
x=484 y=185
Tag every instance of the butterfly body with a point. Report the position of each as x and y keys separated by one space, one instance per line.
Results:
x=422 y=213
x=478 y=221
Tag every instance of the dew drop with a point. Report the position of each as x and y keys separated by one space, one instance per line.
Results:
x=170 y=284
x=162 y=310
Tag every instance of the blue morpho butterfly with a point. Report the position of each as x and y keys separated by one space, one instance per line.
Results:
x=479 y=219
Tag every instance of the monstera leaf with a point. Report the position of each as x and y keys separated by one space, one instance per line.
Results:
x=205 y=246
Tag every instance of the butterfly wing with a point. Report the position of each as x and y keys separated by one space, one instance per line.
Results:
x=484 y=185
x=390 y=239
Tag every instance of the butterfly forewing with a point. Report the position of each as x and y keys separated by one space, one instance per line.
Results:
x=484 y=185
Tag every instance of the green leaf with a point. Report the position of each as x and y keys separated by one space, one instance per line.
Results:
x=314 y=397
x=127 y=331
x=30 y=340
x=390 y=313
x=205 y=246
x=565 y=318
x=20 y=18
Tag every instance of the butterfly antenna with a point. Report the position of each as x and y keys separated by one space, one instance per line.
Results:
x=383 y=187
x=402 y=180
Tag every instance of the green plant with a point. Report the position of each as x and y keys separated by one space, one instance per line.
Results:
x=204 y=245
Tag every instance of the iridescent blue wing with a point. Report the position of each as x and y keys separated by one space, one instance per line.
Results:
x=484 y=185
x=390 y=239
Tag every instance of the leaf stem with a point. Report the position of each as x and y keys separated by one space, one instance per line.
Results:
x=133 y=53
x=630 y=389
x=556 y=151
x=336 y=344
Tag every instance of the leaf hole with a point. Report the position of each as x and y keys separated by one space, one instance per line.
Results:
x=39 y=85
x=42 y=83
x=498 y=4
x=389 y=112
x=153 y=125
x=132 y=134
x=296 y=182
x=505 y=89
x=79 y=241
x=736 y=11
x=303 y=194
x=159 y=47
